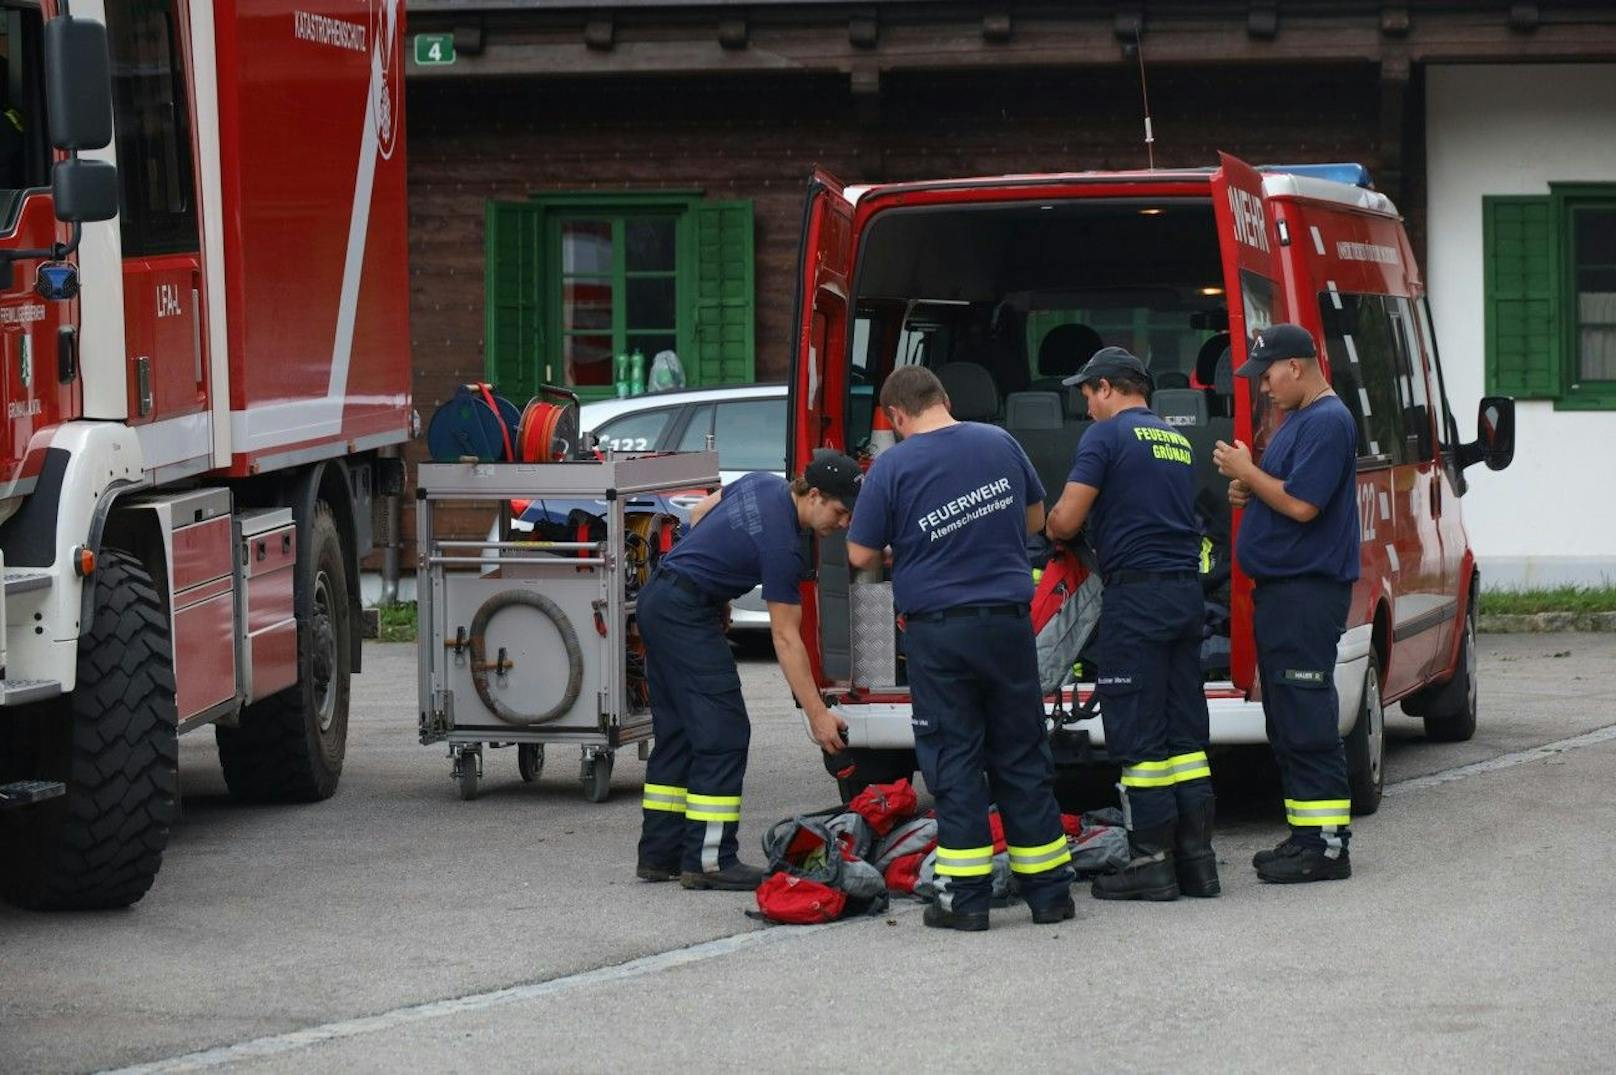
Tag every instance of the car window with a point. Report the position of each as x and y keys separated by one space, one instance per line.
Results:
x=634 y=432
x=751 y=434
x=1363 y=347
x=694 y=438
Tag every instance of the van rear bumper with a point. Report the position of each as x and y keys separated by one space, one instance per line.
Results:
x=1234 y=720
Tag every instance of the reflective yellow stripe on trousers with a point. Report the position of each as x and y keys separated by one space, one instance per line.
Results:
x=664 y=797
x=1040 y=858
x=713 y=807
x=1303 y=813
x=1161 y=774
x=965 y=862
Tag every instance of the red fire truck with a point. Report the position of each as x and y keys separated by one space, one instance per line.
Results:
x=204 y=315
x=1005 y=285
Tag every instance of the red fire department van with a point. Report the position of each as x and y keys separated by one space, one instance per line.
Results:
x=204 y=314
x=1005 y=285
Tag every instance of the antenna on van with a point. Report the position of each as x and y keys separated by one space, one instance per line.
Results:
x=1144 y=93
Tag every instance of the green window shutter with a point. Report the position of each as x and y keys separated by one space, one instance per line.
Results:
x=512 y=348
x=722 y=294
x=1522 y=297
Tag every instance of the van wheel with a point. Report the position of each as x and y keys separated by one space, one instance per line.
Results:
x=1450 y=711
x=875 y=767
x=1366 y=745
x=289 y=747
x=113 y=742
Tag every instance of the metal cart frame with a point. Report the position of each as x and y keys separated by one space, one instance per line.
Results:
x=613 y=480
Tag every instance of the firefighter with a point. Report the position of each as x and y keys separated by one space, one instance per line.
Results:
x=1298 y=542
x=1134 y=481
x=955 y=502
x=747 y=534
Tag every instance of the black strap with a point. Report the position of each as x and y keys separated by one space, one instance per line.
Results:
x=1118 y=577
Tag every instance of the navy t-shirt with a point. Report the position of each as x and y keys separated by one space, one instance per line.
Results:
x=1144 y=517
x=952 y=503
x=1315 y=451
x=749 y=537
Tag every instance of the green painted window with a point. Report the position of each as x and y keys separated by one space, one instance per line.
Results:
x=573 y=280
x=1550 y=286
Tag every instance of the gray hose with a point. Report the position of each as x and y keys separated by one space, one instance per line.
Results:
x=479 y=655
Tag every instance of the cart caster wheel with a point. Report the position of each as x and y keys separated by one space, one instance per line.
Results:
x=597 y=778
x=467 y=775
x=530 y=761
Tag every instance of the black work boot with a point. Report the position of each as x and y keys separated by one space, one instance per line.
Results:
x=1060 y=912
x=1295 y=863
x=1278 y=850
x=651 y=871
x=1149 y=875
x=965 y=921
x=736 y=877
x=1193 y=857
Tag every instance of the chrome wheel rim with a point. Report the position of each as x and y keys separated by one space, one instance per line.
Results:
x=323 y=651
x=1375 y=731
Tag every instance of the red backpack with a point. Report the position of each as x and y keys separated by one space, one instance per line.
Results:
x=885 y=805
x=799 y=901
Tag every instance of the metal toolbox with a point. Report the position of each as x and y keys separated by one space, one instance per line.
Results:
x=530 y=643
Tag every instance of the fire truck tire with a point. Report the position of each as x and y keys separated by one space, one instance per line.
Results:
x=114 y=742
x=290 y=746
x=1450 y=709
x=1366 y=745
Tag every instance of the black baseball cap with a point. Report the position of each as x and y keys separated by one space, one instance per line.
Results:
x=835 y=474
x=1106 y=364
x=1275 y=344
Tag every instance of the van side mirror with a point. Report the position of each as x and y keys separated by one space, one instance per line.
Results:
x=84 y=190
x=78 y=83
x=1495 y=434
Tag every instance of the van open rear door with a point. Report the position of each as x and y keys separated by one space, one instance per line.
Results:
x=818 y=392
x=1251 y=279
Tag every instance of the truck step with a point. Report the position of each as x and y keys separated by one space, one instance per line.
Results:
x=22 y=691
x=27 y=792
x=24 y=579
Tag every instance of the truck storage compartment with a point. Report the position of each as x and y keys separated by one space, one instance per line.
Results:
x=266 y=542
x=1003 y=301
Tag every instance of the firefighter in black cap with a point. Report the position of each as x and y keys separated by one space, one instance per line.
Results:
x=1298 y=541
x=748 y=534
x=1134 y=481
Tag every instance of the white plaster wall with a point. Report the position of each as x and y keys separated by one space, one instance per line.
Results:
x=1512 y=129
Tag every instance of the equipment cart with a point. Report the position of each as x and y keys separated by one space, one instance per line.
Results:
x=527 y=643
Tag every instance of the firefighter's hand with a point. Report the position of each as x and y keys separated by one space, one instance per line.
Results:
x=1239 y=494
x=827 y=729
x=1232 y=460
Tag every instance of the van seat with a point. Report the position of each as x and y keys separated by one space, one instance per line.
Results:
x=1036 y=421
x=972 y=395
x=1186 y=410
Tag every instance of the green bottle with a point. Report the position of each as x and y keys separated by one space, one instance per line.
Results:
x=636 y=373
x=620 y=374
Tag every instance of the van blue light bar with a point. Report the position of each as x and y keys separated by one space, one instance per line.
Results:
x=1355 y=175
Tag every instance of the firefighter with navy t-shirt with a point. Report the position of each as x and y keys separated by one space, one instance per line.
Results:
x=747 y=534
x=1298 y=541
x=1133 y=481
x=955 y=502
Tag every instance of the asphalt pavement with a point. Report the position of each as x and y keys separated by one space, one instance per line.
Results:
x=396 y=927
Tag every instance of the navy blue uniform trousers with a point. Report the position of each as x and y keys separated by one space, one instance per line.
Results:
x=692 y=804
x=1151 y=699
x=1298 y=623
x=977 y=708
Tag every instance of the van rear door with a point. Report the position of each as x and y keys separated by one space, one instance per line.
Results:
x=1251 y=279
x=818 y=388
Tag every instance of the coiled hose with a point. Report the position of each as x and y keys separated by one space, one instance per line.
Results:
x=479 y=655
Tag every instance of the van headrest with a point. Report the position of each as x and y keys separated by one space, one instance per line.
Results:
x=1077 y=404
x=972 y=395
x=1223 y=375
x=1032 y=411
x=1066 y=348
x=1206 y=359
x=1180 y=406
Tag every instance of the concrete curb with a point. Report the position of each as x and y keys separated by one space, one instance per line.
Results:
x=1547 y=623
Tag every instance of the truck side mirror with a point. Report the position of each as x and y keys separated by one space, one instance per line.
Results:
x=78 y=83
x=1495 y=434
x=84 y=190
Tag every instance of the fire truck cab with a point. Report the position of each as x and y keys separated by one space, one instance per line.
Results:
x=205 y=365
x=1006 y=285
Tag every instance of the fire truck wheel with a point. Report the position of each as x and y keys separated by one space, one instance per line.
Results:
x=114 y=743
x=1450 y=710
x=1366 y=745
x=875 y=767
x=289 y=747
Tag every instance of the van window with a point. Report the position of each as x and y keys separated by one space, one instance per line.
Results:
x=635 y=432
x=152 y=117
x=751 y=434
x=1363 y=344
x=1412 y=390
